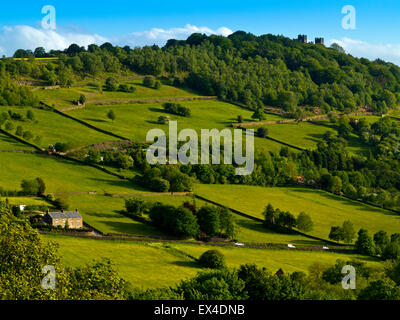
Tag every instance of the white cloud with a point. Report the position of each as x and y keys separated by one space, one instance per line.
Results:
x=372 y=51
x=26 y=37
x=160 y=36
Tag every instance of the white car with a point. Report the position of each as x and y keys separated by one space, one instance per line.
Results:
x=239 y=244
x=291 y=246
x=325 y=248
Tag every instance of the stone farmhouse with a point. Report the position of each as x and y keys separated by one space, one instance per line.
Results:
x=61 y=218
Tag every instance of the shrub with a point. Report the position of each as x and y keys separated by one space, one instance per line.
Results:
x=304 y=222
x=160 y=185
x=82 y=99
x=157 y=85
x=27 y=135
x=262 y=132
x=9 y=126
x=111 y=84
x=179 y=222
x=20 y=131
x=149 y=81
x=212 y=259
x=135 y=206
x=126 y=88
x=177 y=108
x=163 y=119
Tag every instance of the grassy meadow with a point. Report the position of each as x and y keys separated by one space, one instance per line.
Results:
x=325 y=209
x=135 y=120
x=64 y=97
x=59 y=175
x=7 y=143
x=52 y=128
x=304 y=134
x=155 y=265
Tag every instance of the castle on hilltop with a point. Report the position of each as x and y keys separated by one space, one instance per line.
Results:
x=303 y=39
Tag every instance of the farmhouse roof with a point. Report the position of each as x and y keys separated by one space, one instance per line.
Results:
x=64 y=214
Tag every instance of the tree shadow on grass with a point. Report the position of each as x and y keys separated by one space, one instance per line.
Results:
x=119 y=183
x=187 y=264
x=96 y=120
x=159 y=110
x=133 y=228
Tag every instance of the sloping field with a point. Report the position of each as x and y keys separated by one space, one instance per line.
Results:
x=303 y=135
x=8 y=143
x=63 y=97
x=325 y=209
x=59 y=175
x=135 y=120
x=154 y=265
x=52 y=128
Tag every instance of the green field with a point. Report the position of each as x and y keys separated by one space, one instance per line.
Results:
x=354 y=146
x=52 y=128
x=63 y=97
x=154 y=265
x=135 y=120
x=27 y=201
x=288 y=260
x=304 y=135
x=59 y=175
x=139 y=263
x=325 y=209
x=7 y=143
x=105 y=214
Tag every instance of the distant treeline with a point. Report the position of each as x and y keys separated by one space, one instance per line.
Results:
x=264 y=70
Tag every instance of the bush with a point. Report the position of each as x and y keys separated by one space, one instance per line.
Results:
x=135 y=206
x=262 y=132
x=212 y=259
x=157 y=85
x=177 y=108
x=82 y=99
x=179 y=222
x=163 y=119
x=19 y=132
x=160 y=185
x=304 y=222
x=209 y=220
x=111 y=84
x=126 y=88
x=27 y=135
x=149 y=81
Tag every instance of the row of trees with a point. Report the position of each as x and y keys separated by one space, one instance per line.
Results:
x=185 y=221
x=284 y=221
x=249 y=282
x=177 y=108
x=256 y=71
x=380 y=244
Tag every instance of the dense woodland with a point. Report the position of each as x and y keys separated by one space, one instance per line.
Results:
x=265 y=70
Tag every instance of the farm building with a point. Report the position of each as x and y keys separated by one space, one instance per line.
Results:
x=61 y=218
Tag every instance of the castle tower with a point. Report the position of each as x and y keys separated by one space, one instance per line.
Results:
x=302 y=38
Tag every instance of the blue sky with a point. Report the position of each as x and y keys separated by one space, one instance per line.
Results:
x=118 y=21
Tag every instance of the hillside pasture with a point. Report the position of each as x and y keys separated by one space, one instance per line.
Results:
x=59 y=175
x=135 y=120
x=8 y=143
x=64 y=97
x=156 y=265
x=325 y=209
x=53 y=128
x=303 y=135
